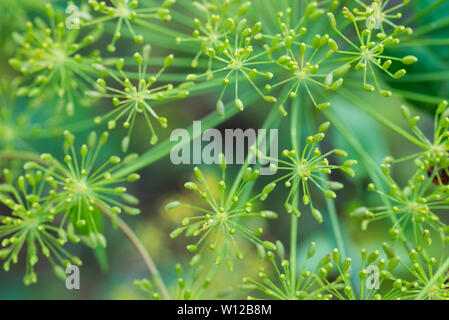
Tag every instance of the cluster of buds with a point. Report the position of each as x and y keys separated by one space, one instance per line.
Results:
x=435 y=150
x=426 y=278
x=421 y=202
x=137 y=99
x=305 y=169
x=374 y=274
x=303 y=67
x=307 y=284
x=417 y=204
x=83 y=187
x=239 y=61
x=29 y=227
x=378 y=16
x=192 y=285
x=50 y=60
x=303 y=58
x=368 y=54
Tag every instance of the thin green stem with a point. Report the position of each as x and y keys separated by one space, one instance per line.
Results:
x=336 y=228
x=293 y=246
x=135 y=241
x=273 y=116
x=294 y=219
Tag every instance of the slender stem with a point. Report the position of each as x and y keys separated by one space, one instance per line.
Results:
x=294 y=219
x=293 y=246
x=135 y=241
x=27 y=156
x=336 y=228
x=271 y=119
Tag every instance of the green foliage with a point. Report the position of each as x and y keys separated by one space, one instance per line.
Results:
x=294 y=57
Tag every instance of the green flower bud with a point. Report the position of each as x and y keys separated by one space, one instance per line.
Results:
x=409 y=60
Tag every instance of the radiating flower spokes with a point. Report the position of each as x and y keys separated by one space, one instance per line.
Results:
x=49 y=59
x=421 y=202
x=422 y=267
x=305 y=169
x=307 y=284
x=417 y=205
x=303 y=63
x=368 y=55
x=435 y=149
x=221 y=223
x=382 y=276
x=127 y=12
x=375 y=278
x=139 y=98
x=30 y=226
x=292 y=29
x=83 y=186
x=237 y=54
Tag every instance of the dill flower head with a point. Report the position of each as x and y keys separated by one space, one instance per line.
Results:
x=418 y=205
x=303 y=64
x=304 y=58
x=367 y=53
x=50 y=60
x=236 y=62
x=302 y=170
x=425 y=279
x=30 y=226
x=434 y=149
x=374 y=275
x=84 y=186
x=220 y=226
x=137 y=99
x=422 y=201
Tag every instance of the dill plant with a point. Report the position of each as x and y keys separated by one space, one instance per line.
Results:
x=292 y=59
